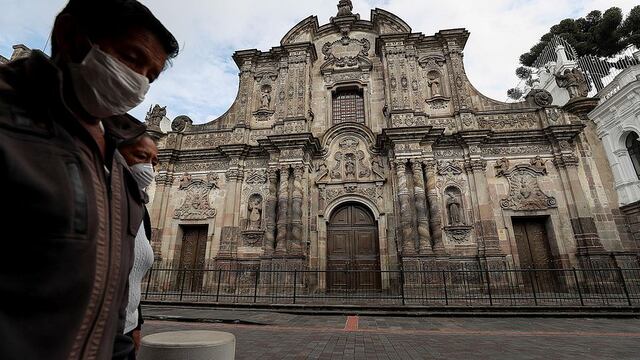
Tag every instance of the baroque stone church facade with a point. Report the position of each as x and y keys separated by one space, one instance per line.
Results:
x=360 y=144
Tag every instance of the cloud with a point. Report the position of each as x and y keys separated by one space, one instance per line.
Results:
x=203 y=81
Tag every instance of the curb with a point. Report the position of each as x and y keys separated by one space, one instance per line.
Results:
x=404 y=311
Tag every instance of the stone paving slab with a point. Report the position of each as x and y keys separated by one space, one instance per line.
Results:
x=294 y=336
x=286 y=342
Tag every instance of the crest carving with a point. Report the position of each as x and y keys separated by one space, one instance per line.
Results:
x=524 y=189
x=196 y=203
x=346 y=53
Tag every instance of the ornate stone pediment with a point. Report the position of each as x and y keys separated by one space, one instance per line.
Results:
x=433 y=61
x=346 y=54
x=196 y=203
x=449 y=168
x=524 y=189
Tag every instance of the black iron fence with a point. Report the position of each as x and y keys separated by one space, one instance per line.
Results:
x=509 y=287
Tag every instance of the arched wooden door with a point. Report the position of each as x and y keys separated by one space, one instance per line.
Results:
x=352 y=250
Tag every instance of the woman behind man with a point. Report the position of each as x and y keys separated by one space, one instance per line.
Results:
x=141 y=155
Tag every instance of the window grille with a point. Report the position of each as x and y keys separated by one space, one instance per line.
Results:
x=348 y=106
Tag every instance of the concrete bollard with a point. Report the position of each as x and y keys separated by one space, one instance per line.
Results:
x=188 y=345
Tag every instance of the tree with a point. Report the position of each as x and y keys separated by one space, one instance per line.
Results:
x=598 y=34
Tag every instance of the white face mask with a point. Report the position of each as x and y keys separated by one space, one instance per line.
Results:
x=105 y=86
x=144 y=174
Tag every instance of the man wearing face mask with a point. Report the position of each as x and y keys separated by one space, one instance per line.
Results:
x=141 y=155
x=63 y=282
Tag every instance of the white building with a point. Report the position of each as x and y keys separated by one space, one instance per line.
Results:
x=617 y=120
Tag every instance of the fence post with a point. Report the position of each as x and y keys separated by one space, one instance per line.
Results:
x=533 y=286
x=624 y=284
x=184 y=271
x=295 y=278
x=146 y=292
x=444 y=282
x=255 y=287
x=218 y=288
x=489 y=286
x=402 y=284
x=575 y=277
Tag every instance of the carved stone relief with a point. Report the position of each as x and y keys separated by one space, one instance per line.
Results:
x=349 y=162
x=408 y=120
x=508 y=121
x=516 y=150
x=204 y=141
x=524 y=189
x=346 y=53
x=256 y=177
x=202 y=166
x=196 y=204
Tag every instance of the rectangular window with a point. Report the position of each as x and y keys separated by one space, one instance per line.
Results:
x=348 y=106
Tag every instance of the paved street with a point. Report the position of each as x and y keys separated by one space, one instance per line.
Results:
x=267 y=335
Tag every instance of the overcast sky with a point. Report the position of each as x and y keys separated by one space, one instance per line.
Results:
x=203 y=81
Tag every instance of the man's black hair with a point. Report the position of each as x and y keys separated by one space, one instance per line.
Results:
x=109 y=18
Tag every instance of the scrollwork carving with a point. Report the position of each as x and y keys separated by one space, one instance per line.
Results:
x=196 y=204
x=524 y=189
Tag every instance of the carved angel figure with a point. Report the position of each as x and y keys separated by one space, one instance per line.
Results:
x=574 y=81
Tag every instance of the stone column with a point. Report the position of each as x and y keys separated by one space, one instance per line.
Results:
x=435 y=222
x=283 y=204
x=158 y=211
x=486 y=226
x=296 y=210
x=424 y=235
x=270 y=212
x=408 y=237
x=582 y=222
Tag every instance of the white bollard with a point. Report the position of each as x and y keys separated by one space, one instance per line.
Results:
x=188 y=345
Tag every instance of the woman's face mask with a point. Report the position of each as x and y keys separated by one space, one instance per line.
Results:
x=106 y=87
x=143 y=173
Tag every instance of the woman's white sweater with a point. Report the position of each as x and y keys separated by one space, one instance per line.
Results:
x=142 y=263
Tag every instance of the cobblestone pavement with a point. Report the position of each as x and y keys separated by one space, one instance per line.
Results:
x=287 y=336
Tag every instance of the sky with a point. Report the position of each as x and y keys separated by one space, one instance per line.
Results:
x=202 y=82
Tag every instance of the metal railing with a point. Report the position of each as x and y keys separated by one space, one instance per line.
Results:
x=608 y=287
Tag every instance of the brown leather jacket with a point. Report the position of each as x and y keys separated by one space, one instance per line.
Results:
x=67 y=226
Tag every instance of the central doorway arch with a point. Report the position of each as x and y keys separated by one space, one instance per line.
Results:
x=353 y=255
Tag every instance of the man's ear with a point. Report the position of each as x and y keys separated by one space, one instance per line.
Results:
x=72 y=43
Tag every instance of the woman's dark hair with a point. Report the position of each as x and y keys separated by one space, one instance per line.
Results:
x=114 y=18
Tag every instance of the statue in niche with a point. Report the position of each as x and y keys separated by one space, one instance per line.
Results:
x=454 y=208
x=255 y=212
x=574 y=81
x=350 y=166
x=265 y=101
x=434 y=84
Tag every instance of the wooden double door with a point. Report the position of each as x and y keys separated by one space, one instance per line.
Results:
x=192 y=257
x=534 y=252
x=353 y=256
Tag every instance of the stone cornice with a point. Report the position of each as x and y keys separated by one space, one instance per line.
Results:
x=304 y=141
